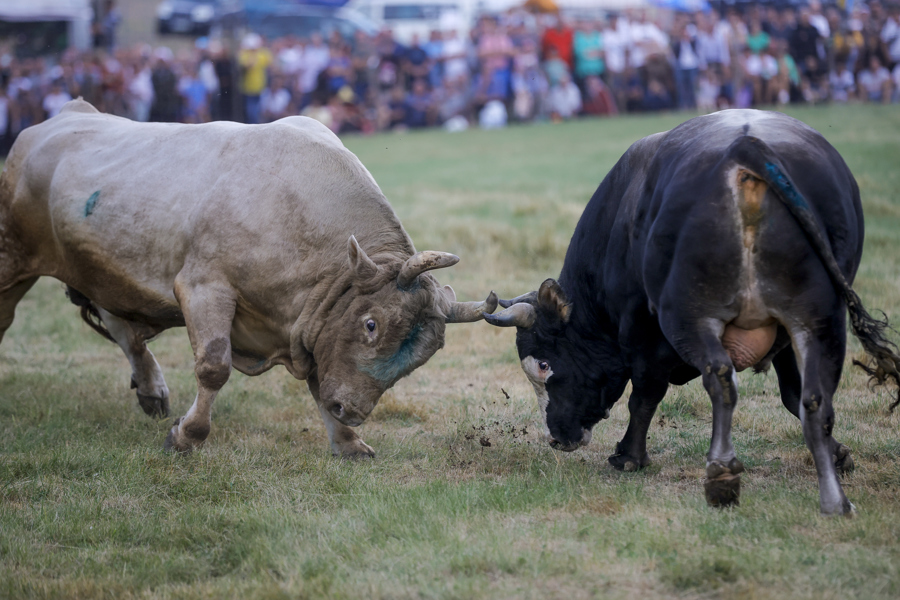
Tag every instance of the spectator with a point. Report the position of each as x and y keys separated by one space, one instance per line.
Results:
x=804 y=46
x=890 y=33
x=598 y=99
x=416 y=63
x=494 y=51
x=875 y=82
x=688 y=65
x=194 y=97
x=615 y=45
x=657 y=96
x=55 y=99
x=254 y=61
x=166 y=101
x=564 y=99
x=840 y=80
x=453 y=56
x=419 y=106
x=275 y=100
x=559 y=38
x=588 y=53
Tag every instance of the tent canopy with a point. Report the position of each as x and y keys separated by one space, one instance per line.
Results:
x=44 y=10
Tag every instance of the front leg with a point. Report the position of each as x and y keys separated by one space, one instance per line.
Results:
x=208 y=313
x=343 y=440
x=647 y=393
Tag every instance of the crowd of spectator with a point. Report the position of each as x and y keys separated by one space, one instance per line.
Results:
x=511 y=67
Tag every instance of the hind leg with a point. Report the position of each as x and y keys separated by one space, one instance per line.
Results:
x=8 y=301
x=790 y=385
x=146 y=376
x=820 y=355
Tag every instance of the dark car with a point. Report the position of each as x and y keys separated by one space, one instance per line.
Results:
x=188 y=17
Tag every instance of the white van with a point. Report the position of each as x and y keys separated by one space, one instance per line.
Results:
x=409 y=17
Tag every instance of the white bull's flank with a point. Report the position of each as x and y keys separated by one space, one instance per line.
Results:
x=273 y=245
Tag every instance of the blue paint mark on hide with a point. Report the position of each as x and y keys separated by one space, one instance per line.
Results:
x=785 y=186
x=392 y=368
x=91 y=203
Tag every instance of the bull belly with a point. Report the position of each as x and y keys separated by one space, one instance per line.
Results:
x=746 y=347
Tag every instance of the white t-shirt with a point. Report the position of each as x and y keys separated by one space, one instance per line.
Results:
x=454 y=67
x=871 y=82
x=615 y=41
x=841 y=85
x=53 y=103
x=315 y=59
x=644 y=38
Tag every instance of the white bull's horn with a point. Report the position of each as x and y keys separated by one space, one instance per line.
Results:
x=519 y=315
x=421 y=262
x=529 y=298
x=469 y=312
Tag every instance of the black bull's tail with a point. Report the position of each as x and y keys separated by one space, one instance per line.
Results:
x=88 y=312
x=885 y=362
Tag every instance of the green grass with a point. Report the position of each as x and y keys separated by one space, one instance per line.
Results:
x=90 y=506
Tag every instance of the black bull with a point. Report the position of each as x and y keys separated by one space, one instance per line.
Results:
x=729 y=242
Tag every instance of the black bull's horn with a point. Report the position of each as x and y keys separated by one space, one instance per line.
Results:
x=518 y=315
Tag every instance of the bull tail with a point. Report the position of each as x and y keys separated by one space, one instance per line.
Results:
x=884 y=363
x=88 y=312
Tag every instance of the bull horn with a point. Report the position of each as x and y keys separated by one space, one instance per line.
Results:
x=529 y=298
x=519 y=315
x=421 y=262
x=468 y=312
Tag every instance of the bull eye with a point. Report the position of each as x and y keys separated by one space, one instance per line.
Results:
x=543 y=365
x=370 y=325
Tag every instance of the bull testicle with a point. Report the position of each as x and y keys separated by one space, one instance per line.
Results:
x=746 y=347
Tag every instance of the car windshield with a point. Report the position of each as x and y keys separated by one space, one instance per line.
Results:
x=397 y=12
x=276 y=26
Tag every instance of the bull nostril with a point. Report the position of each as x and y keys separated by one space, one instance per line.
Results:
x=337 y=409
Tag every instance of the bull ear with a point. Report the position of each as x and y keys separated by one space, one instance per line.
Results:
x=552 y=298
x=423 y=261
x=360 y=263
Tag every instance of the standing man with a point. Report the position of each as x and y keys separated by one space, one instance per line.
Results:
x=254 y=61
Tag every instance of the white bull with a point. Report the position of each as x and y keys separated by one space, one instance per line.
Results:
x=272 y=243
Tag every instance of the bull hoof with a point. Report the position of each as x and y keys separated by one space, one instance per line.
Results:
x=355 y=450
x=154 y=406
x=723 y=483
x=174 y=441
x=629 y=464
x=843 y=462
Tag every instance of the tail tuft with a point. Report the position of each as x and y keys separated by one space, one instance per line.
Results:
x=884 y=361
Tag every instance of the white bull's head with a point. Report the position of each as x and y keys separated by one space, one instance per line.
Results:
x=389 y=321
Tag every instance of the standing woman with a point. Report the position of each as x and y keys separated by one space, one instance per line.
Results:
x=588 y=49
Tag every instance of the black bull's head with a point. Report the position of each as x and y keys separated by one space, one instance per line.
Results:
x=576 y=377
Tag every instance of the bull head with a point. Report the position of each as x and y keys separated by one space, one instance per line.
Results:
x=575 y=380
x=389 y=323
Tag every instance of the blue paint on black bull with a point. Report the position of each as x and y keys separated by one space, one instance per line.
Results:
x=394 y=367
x=784 y=185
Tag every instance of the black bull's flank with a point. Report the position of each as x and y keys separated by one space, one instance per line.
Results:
x=729 y=242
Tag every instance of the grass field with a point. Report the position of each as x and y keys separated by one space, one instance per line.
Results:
x=90 y=506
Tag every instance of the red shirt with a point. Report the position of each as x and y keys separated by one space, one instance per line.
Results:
x=562 y=41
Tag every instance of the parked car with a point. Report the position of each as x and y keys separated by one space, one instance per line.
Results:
x=406 y=18
x=279 y=19
x=189 y=17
